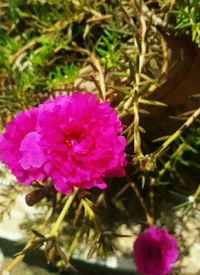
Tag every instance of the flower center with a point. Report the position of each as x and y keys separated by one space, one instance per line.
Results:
x=149 y=253
x=153 y=253
x=68 y=143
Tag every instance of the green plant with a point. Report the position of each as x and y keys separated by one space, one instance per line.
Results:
x=119 y=49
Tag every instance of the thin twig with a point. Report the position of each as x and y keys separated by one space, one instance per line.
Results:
x=149 y=218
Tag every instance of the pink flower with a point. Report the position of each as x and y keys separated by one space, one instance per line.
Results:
x=20 y=134
x=154 y=251
x=81 y=142
x=74 y=140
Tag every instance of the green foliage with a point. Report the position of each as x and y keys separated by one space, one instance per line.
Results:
x=63 y=75
x=8 y=47
x=13 y=10
x=109 y=49
x=188 y=18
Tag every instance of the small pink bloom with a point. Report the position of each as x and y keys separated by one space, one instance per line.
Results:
x=19 y=148
x=154 y=251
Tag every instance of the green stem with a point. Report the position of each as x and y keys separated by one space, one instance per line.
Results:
x=149 y=218
x=197 y=193
x=137 y=138
x=179 y=151
x=14 y=263
x=173 y=137
x=18 y=259
x=63 y=213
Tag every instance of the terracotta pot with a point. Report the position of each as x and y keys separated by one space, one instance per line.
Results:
x=183 y=81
